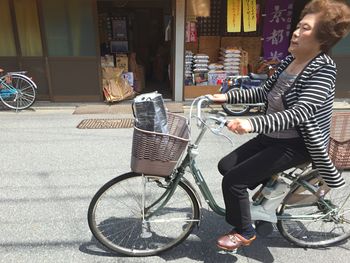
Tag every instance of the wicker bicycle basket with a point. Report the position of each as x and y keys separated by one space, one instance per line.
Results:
x=339 y=144
x=158 y=153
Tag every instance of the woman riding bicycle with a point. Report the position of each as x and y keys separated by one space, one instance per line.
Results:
x=295 y=129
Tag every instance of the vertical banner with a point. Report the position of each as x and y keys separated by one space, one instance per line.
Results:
x=277 y=26
x=249 y=15
x=234 y=14
x=191 y=31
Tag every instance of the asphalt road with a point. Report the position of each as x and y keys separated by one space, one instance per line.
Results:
x=50 y=170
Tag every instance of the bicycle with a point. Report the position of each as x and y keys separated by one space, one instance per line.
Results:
x=143 y=213
x=252 y=80
x=17 y=91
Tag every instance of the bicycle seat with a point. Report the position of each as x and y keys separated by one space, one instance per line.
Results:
x=258 y=76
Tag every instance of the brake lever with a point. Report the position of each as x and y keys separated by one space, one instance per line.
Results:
x=221 y=122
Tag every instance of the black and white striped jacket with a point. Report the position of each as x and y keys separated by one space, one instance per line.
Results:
x=308 y=107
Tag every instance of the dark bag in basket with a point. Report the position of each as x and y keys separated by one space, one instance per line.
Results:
x=150 y=113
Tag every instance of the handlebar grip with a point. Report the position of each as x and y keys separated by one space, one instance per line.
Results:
x=199 y=109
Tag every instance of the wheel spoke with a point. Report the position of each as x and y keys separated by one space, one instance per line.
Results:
x=18 y=94
x=115 y=215
x=320 y=225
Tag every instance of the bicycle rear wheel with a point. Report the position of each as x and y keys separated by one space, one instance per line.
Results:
x=116 y=215
x=18 y=92
x=235 y=109
x=306 y=222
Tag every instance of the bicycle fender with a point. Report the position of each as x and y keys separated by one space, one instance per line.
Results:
x=189 y=185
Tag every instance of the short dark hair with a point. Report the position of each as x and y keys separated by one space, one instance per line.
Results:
x=334 y=23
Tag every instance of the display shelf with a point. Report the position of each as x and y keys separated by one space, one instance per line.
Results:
x=196 y=91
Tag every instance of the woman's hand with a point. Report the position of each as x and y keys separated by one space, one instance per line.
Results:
x=239 y=126
x=217 y=98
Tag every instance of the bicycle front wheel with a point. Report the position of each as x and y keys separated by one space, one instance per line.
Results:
x=121 y=217
x=235 y=109
x=307 y=222
x=17 y=92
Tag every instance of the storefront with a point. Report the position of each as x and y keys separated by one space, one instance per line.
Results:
x=234 y=37
x=62 y=44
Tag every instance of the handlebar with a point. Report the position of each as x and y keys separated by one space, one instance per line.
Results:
x=203 y=123
x=203 y=99
x=220 y=120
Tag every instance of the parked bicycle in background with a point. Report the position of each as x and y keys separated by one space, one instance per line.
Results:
x=242 y=82
x=17 y=91
x=264 y=70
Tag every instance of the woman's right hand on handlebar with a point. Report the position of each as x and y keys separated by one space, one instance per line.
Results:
x=239 y=126
x=218 y=98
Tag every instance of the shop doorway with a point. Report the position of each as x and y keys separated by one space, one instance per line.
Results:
x=136 y=34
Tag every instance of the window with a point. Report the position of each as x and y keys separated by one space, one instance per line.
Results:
x=69 y=27
x=28 y=27
x=7 y=41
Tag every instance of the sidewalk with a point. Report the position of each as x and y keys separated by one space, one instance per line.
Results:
x=125 y=106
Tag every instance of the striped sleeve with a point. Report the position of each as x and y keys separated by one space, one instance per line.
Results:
x=311 y=97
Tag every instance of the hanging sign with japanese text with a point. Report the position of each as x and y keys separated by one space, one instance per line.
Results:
x=277 y=27
x=234 y=14
x=249 y=15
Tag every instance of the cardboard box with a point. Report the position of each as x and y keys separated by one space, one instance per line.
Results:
x=121 y=61
x=189 y=80
x=129 y=77
x=216 y=78
x=200 y=78
x=196 y=91
x=107 y=61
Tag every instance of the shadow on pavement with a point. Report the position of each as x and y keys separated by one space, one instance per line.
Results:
x=201 y=245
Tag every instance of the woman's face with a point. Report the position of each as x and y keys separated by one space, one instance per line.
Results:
x=304 y=42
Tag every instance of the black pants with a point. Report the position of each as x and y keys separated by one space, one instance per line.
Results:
x=249 y=165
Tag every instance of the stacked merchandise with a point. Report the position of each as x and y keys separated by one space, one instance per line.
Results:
x=231 y=59
x=188 y=68
x=201 y=69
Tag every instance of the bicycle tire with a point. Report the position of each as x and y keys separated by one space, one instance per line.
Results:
x=115 y=215
x=235 y=110
x=322 y=232
x=21 y=94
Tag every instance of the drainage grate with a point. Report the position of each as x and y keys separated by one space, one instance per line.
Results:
x=105 y=123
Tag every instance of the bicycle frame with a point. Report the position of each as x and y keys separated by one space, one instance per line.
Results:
x=189 y=161
x=10 y=90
